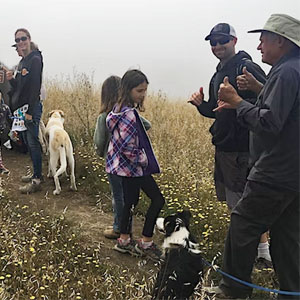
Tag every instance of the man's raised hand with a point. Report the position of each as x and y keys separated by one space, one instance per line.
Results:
x=197 y=98
x=227 y=96
x=247 y=81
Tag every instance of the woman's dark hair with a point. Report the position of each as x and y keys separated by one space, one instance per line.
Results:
x=34 y=47
x=24 y=30
x=110 y=93
x=130 y=80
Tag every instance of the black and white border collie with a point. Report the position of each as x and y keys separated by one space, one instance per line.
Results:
x=182 y=267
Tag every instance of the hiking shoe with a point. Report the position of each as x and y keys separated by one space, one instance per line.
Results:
x=128 y=248
x=218 y=294
x=31 y=187
x=262 y=263
x=151 y=252
x=28 y=178
x=3 y=170
x=110 y=233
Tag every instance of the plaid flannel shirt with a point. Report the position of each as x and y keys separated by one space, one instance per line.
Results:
x=124 y=156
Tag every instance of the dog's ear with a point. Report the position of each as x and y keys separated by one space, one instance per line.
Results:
x=50 y=113
x=186 y=215
x=62 y=114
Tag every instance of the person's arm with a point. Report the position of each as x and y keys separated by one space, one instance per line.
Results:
x=12 y=81
x=146 y=123
x=128 y=140
x=272 y=116
x=34 y=87
x=277 y=106
x=101 y=135
x=205 y=108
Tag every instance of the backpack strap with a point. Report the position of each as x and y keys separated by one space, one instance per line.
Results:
x=241 y=65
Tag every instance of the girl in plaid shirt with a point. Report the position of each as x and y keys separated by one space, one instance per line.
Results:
x=130 y=155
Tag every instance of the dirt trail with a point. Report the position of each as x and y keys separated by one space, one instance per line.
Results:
x=80 y=208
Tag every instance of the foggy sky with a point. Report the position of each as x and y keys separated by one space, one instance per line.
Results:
x=164 y=38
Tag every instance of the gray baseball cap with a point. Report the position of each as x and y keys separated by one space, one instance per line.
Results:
x=221 y=29
x=283 y=25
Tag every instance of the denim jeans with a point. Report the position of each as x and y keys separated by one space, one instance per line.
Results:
x=115 y=182
x=31 y=139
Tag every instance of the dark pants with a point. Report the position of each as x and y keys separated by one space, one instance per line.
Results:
x=263 y=207
x=131 y=190
x=31 y=139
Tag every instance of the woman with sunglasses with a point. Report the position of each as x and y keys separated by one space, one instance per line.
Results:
x=27 y=107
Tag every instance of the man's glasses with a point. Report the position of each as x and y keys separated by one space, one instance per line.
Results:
x=222 y=41
x=23 y=39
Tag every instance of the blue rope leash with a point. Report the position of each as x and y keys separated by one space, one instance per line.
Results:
x=254 y=286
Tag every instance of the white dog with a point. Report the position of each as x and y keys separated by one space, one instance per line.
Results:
x=60 y=148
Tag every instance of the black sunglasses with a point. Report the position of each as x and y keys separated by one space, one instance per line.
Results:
x=23 y=38
x=222 y=41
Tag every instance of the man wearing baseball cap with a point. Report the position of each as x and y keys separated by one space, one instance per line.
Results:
x=270 y=200
x=231 y=140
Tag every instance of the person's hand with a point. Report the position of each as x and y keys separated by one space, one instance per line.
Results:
x=9 y=75
x=227 y=96
x=197 y=98
x=222 y=105
x=28 y=117
x=248 y=82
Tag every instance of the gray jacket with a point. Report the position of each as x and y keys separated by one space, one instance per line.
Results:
x=274 y=126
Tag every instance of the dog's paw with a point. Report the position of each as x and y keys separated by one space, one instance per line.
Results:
x=56 y=192
x=73 y=188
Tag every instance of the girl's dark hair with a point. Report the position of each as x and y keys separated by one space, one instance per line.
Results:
x=130 y=80
x=110 y=93
x=24 y=30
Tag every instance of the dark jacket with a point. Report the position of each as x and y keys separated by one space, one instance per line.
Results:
x=274 y=126
x=27 y=84
x=227 y=134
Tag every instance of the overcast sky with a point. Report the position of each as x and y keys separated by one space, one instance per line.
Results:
x=164 y=38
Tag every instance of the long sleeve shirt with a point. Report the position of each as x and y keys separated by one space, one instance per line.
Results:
x=274 y=126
